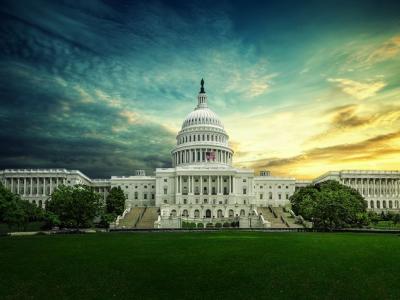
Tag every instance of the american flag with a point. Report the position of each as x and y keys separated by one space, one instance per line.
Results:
x=210 y=155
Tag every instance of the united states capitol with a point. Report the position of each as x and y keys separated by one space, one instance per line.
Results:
x=202 y=186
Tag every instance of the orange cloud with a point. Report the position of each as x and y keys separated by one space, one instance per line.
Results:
x=388 y=50
x=318 y=160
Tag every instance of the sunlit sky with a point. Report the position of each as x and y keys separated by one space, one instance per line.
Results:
x=302 y=87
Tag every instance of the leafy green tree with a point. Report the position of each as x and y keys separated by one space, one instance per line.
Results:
x=374 y=217
x=330 y=205
x=51 y=220
x=76 y=207
x=396 y=219
x=17 y=212
x=115 y=201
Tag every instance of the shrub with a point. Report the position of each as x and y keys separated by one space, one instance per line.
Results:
x=226 y=225
x=200 y=225
x=209 y=225
x=218 y=225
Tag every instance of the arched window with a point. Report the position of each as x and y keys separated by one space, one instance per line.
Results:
x=371 y=204
x=219 y=213
x=196 y=213
x=242 y=213
x=231 y=213
x=390 y=204
x=384 y=204
x=185 y=213
x=378 y=204
x=208 y=213
x=270 y=195
x=396 y=204
x=173 y=213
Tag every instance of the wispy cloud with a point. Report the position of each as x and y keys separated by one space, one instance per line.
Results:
x=359 y=90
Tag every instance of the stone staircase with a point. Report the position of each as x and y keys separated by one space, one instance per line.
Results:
x=148 y=218
x=287 y=217
x=131 y=219
x=268 y=214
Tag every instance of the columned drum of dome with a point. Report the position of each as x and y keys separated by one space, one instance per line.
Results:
x=202 y=139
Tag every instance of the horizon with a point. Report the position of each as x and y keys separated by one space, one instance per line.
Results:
x=103 y=87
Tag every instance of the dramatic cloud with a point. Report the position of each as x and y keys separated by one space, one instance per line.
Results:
x=103 y=86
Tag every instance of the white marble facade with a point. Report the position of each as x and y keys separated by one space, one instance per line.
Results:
x=380 y=189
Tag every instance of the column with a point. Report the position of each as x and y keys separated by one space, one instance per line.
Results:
x=218 y=184
x=209 y=184
x=31 y=187
x=24 y=185
x=12 y=184
x=176 y=184
x=192 y=184
x=18 y=185
x=231 y=184
x=51 y=185
x=37 y=185
x=201 y=185
x=44 y=186
x=180 y=184
x=362 y=187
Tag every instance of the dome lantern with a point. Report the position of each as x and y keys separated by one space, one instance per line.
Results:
x=202 y=97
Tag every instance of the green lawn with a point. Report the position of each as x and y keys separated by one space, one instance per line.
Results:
x=212 y=265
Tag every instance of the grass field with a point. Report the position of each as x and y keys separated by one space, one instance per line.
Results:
x=198 y=265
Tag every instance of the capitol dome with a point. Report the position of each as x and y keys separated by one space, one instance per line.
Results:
x=202 y=116
x=202 y=139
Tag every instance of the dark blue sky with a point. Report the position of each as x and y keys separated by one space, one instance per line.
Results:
x=102 y=86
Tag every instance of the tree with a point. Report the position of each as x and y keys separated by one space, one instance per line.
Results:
x=17 y=212
x=396 y=219
x=115 y=201
x=330 y=205
x=76 y=206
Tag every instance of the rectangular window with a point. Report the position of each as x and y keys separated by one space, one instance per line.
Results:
x=145 y=196
x=165 y=191
x=244 y=191
x=261 y=196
